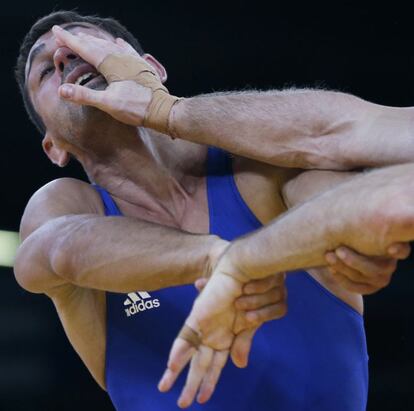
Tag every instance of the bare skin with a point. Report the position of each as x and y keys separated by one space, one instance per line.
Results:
x=306 y=129
x=369 y=226
x=153 y=180
x=288 y=139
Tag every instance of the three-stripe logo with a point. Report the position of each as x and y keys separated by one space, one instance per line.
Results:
x=140 y=301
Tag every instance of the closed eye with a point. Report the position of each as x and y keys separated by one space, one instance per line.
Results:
x=45 y=71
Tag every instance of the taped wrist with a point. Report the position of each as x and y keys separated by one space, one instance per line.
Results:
x=121 y=67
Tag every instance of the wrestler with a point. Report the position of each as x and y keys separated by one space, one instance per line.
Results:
x=152 y=220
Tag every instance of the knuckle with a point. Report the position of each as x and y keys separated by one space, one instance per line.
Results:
x=173 y=365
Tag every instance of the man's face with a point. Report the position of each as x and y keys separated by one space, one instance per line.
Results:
x=49 y=66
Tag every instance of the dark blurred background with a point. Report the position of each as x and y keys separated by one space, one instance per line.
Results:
x=206 y=46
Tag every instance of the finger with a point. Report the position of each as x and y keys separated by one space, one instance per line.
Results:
x=199 y=366
x=354 y=287
x=241 y=347
x=367 y=266
x=364 y=269
x=264 y=284
x=268 y=313
x=200 y=284
x=78 y=45
x=125 y=45
x=209 y=382
x=180 y=354
x=67 y=38
x=256 y=301
x=399 y=250
x=350 y=273
x=82 y=95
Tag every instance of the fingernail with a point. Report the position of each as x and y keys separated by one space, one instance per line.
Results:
x=341 y=253
x=56 y=27
x=66 y=91
x=394 y=249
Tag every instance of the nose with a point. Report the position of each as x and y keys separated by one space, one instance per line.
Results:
x=62 y=56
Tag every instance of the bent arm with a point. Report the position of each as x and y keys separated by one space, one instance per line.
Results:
x=119 y=254
x=367 y=214
x=298 y=128
x=116 y=254
x=290 y=128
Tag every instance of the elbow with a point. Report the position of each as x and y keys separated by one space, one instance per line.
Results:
x=26 y=270
x=36 y=264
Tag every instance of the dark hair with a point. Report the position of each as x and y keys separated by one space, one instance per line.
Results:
x=42 y=26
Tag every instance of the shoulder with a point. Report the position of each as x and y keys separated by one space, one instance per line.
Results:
x=60 y=197
x=261 y=186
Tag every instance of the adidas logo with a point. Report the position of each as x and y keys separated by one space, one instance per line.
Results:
x=140 y=301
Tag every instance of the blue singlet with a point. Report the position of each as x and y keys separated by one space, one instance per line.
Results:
x=314 y=359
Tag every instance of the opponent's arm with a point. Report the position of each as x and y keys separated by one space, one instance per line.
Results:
x=298 y=128
x=368 y=214
x=291 y=128
x=348 y=273
x=66 y=241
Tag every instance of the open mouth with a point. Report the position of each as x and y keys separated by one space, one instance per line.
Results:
x=85 y=78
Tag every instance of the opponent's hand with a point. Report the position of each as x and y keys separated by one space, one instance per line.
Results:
x=90 y=48
x=126 y=100
x=210 y=324
x=361 y=274
x=262 y=300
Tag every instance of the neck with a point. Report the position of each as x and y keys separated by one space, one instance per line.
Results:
x=148 y=174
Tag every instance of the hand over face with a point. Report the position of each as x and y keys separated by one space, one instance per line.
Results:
x=126 y=100
x=363 y=274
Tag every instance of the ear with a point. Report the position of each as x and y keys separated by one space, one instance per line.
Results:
x=56 y=154
x=162 y=73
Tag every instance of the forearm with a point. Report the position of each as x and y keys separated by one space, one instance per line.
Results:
x=298 y=128
x=367 y=214
x=117 y=254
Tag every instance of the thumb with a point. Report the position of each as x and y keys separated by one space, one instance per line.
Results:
x=81 y=95
x=240 y=349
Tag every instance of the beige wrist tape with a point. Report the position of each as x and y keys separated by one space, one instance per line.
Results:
x=188 y=334
x=120 y=67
